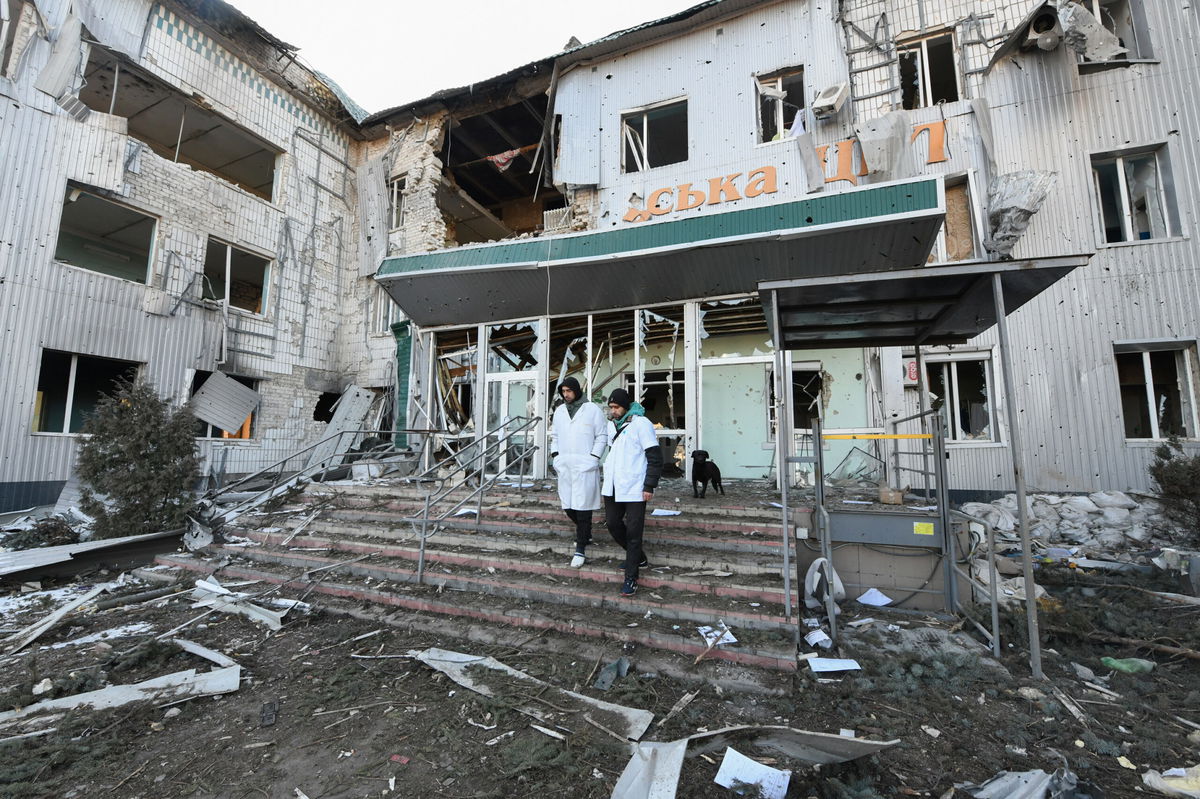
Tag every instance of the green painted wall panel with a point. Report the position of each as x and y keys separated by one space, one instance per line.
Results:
x=811 y=212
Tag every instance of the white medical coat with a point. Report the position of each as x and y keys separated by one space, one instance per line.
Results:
x=625 y=468
x=579 y=443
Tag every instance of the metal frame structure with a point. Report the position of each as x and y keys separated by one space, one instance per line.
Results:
x=919 y=307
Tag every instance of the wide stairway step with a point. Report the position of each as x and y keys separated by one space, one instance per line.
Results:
x=713 y=563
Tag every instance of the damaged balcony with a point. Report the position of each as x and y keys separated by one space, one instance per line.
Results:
x=176 y=127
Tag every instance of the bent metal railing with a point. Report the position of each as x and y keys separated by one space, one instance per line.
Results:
x=298 y=467
x=483 y=463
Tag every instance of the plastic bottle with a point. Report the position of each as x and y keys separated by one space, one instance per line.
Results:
x=1129 y=665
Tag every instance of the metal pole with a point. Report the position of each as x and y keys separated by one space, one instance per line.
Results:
x=942 y=485
x=993 y=588
x=783 y=432
x=923 y=406
x=424 y=535
x=1014 y=433
x=116 y=82
x=821 y=515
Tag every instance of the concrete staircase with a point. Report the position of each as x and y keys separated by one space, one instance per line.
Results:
x=715 y=561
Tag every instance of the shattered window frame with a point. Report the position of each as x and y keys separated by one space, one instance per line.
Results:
x=386 y=313
x=636 y=145
x=72 y=420
x=208 y=292
x=784 y=81
x=1142 y=384
x=395 y=189
x=1119 y=209
x=103 y=249
x=918 y=49
x=1125 y=20
x=948 y=363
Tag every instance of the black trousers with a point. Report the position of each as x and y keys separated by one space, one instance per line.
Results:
x=626 y=520
x=583 y=527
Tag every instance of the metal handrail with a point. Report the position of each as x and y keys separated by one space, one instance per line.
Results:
x=284 y=478
x=485 y=455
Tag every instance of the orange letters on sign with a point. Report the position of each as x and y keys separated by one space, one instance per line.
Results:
x=763 y=180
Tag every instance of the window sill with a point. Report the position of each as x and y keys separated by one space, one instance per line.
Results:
x=215 y=305
x=1147 y=443
x=90 y=271
x=976 y=445
x=1092 y=67
x=46 y=434
x=652 y=170
x=1139 y=242
x=784 y=140
x=246 y=441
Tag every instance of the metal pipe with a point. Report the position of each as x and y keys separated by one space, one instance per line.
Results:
x=112 y=104
x=782 y=455
x=823 y=522
x=424 y=536
x=922 y=402
x=1014 y=432
x=178 y=145
x=993 y=581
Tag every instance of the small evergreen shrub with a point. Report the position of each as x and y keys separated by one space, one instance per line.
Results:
x=139 y=454
x=1176 y=477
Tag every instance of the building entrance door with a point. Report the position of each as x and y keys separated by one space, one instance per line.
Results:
x=510 y=396
x=734 y=420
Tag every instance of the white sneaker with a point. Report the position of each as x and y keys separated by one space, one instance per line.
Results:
x=578 y=561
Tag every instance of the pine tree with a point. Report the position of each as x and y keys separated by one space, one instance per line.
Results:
x=140 y=456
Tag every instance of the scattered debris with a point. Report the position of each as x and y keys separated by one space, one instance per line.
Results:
x=739 y=771
x=211 y=594
x=609 y=674
x=455 y=665
x=19 y=641
x=1175 y=781
x=653 y=770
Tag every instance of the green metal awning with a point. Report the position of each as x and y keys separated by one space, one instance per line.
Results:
x=876 y=228
x=947 y=304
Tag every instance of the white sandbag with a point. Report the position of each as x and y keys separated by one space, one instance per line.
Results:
x=1112 y=499
x=1049 y=499
x=1081 y=504
x=1115 y=517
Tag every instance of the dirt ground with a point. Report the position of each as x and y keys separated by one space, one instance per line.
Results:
x=355 y=717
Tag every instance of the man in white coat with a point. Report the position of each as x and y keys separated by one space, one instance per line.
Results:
x=631 y=474
x=578 y=436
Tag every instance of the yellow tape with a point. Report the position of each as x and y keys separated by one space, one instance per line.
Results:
x=853 y=436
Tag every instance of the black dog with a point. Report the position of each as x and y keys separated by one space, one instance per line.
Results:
x=704 y=471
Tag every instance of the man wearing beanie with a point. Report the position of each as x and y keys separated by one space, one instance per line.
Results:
x=631 y=474
x=578 y=436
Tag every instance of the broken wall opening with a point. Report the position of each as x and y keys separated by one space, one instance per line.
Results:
x=176 y=127
x=488 y=191
x=103 y=236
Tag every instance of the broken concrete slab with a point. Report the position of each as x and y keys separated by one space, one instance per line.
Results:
x=653 y=770
x=631 y=723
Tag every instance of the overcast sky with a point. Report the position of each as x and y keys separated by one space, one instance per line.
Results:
x=385 y=53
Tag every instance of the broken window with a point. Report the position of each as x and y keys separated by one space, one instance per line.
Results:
x=654 y=137
x=105 y=237
x=235 y=277
x=780 y=99
x=962 y=390
x=206 y=430
x=1125 y=20
x=69 y=386
x=806 y=397
x=956 y=240
x=395 y=189
x=1158 y=389
x=928 y=71
x=176 y=127
x=512 y=347
x=1135 y=204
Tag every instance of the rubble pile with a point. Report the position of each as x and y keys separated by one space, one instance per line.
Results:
x=1106 y=521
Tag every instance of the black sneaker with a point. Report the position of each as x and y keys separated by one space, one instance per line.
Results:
x=629 y=588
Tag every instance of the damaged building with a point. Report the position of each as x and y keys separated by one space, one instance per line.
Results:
x=186 y=200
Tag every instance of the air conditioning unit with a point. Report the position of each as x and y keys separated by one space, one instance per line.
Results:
x=830 y=100
x=1045 y=32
